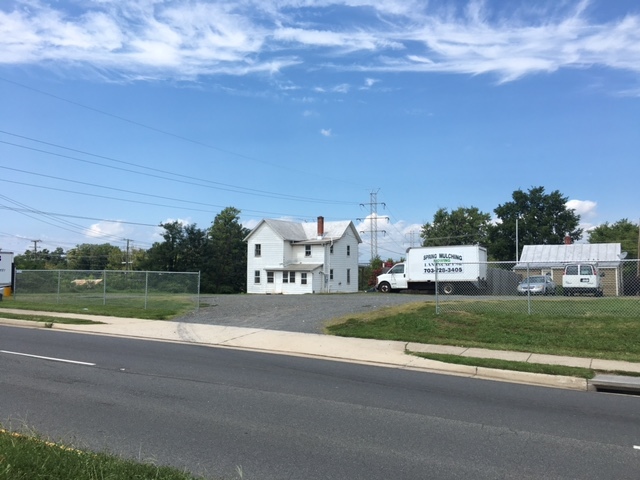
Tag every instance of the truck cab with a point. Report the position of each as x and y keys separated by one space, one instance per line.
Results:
x=394 y=279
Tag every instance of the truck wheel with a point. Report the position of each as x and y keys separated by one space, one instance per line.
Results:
x=384 y=287
x=448 y=289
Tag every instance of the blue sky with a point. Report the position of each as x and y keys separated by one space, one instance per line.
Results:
x=116 y=116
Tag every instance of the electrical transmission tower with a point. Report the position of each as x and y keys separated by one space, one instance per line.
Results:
x=373 y=222
x=412 y=238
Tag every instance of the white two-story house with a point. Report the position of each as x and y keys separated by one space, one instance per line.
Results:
x=294 y=258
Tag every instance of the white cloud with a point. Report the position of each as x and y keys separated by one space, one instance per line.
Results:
x=189 y=38
x=584 y=208
x=393 y=239
x=325 y=132
x=106 y=231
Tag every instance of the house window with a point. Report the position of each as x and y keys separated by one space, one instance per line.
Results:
x=307 y=250
x=288 y=277
x=269 y=277
x=331 y=274
x=348 y=250
x=256 y=276
x=348 y=276
x=331 y=248
x=303 y=278
x=257 y=250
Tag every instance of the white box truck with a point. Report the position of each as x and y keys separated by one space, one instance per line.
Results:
x=456 y=269
x=6 y=272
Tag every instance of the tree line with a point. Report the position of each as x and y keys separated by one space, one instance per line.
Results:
x=531 y=217
x=219 y=252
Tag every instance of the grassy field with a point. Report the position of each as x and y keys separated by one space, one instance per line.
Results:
x=159 y=307
x=609 y=329
x=32 y=458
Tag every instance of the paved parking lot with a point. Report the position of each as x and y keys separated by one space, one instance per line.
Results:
x=293 y=313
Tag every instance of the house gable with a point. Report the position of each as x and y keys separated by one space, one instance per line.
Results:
x=324 y=255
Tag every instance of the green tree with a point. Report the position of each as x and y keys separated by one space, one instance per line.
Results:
x=540 y=218
x=183 y=250
x=89 y=256
x=41 y=260
x=226 y=268
x=623 y=232
x=462 y=226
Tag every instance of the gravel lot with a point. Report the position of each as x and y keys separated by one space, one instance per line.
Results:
x=293 y=313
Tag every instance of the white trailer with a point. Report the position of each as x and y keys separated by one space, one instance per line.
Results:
x=456 y=269
x=6 y=269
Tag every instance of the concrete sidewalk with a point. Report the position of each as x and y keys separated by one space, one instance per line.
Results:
x=372 y=352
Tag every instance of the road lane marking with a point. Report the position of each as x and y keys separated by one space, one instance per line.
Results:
x=49 y=358
x=637 y=447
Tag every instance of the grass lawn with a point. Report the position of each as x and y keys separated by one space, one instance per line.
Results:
x=158 y=308
x=47 y=319
x=27 y=458
x=510 y=365
x=607 y=330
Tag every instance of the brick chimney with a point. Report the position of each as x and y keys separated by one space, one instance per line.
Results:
x=320 y=227
x=567 y=240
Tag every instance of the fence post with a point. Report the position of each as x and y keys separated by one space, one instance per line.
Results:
x=528 y=292
x=198 y=294
x=59 y=280
x=435 y=265
x=146 y=288
x=104 y=287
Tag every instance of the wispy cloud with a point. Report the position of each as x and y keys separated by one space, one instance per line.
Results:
x=326 y=132
x=189 y=38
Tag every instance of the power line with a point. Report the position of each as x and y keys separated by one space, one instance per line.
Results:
x=221 y=186
x=19 y=210
x=164 y=132
x=140 y=202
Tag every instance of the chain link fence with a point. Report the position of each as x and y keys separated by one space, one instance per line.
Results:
x=107 y=287
x=576 y=290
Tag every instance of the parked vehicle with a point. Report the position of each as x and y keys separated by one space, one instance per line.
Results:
x=582 y=278
x=456 y=269
x=537 y=285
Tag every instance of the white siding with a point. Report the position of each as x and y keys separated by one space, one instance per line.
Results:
x=339 y=262
x=272 y=255
x=278 y=253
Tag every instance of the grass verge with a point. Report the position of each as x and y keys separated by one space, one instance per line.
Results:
x=30 y=458
x=164 y=309
x=47 y=319
x=584 y=331
x=509 y=365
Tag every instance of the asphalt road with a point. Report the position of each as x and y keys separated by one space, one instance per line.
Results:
x=292 y=313
x=210 y=410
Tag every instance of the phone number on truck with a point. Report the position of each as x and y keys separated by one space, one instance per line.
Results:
x=444 y=270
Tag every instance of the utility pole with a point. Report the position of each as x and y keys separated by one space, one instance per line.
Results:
x=35 y=248
x=373 y=222
x=128 y=257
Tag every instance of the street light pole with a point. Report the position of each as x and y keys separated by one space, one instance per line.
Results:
x=516 y=239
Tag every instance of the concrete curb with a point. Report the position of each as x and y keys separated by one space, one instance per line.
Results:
x=390 y=354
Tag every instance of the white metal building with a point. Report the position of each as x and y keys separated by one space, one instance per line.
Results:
x=551 y=259
x=295 y=258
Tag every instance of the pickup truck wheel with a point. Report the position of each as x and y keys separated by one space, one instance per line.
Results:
x=448 y=289
x=384 y=287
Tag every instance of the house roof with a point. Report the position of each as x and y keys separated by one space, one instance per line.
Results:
x=604 y=254
x=307 y=232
